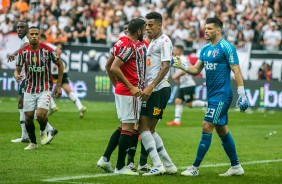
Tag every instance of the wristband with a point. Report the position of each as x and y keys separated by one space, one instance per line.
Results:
x=241 y=90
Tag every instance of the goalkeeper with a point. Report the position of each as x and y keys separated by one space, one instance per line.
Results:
x=218 y=58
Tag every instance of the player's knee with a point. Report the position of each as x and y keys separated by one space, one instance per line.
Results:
x=178 y=101
x=189 y=104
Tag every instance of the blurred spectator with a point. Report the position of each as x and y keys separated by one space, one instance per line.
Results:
x=100 y=36
x=114 y=33
x=192 y=37
x=6 y=26
x=248 y=32
x=240 y=41
x=66 y=5
x=180 y=34
x=265 y=72
x=80 y=33
x=232 y=33
x=69 y=29
x=56 y=35
x=20 y=7
x=272 y=38
x=258 y=37
x=129 y=9
x=63 y=19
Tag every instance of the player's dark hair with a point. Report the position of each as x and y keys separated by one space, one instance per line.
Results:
x=126 y=22
x=155 y=15
x=25 y=22
x=216 y=21
x=135 y=24
x=34 y=27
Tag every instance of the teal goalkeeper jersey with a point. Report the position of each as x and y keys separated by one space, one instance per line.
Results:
x=217 y=60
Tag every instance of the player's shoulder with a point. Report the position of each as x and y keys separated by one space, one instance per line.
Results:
x=164 y=38
x=226 y=45
x=46 y=47
x=25 y=48
x=205 y=47
x=124 y=40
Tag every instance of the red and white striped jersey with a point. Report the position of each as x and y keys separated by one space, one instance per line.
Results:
x=37 y=67
x=133 y=69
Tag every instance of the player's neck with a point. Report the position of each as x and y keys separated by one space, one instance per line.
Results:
x=157 y=35
x=216 y=40
x=131 y=37
x=34 y=47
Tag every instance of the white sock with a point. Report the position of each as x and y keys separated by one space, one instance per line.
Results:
x=22 y=123
x=34 y=116
x=75 y=100
x=150 y=144
x=199 y=103
x=49 y=127
x=178 y=113
x=53 y=104
x=161 y=150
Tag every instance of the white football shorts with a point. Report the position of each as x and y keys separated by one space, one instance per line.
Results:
x=128 y=108
x=32 y=101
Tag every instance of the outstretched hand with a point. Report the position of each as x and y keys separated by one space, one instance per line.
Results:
x=177 y=63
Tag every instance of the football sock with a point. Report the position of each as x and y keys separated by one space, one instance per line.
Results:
x=31 y=132
x=132 y=149
x=113 y=142
x=150 y=145
x=229 y=148
x=22 y=123
x=178 y=113
x=123 y=145
x=199 y=103
x=143 y=155
x=53 y=104
x=49 y=127
x=75 y=100
x=203 y=148
x=42 y=123
x=161 y=150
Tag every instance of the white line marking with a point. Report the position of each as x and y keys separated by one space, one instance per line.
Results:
x=182 y=167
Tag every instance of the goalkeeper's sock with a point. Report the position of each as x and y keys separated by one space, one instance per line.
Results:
x=203 y=148
x=132 y=149
x=123 y=145
x=161 y=150
x=143 y=155
x=229 y=148
x=113 y=142
x=178 y=113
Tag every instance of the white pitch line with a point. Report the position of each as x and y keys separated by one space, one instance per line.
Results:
x=182 y=167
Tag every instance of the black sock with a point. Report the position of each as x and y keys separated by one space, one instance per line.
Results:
x=123 y=145
x=132 y=147
x=30 y=128
x=42 y=124
x=113 y=142
x=143 y=156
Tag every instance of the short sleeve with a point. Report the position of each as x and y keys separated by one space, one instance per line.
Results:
x=124 y=49
x=166 y=50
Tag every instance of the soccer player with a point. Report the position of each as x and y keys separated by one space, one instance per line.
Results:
x=186 y=90
x=22 y=29
x=36 y=57
x=156 y=95
x=65 y=83
x=218 y=58
x=128 y=74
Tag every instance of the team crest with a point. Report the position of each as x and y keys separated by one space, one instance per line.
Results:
x=34 y=59
x=215 y=52
x=157 y=111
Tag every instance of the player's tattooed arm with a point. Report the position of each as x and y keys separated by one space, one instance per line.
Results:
x=108 y=68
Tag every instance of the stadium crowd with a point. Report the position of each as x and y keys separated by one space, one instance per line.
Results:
x=101 y=21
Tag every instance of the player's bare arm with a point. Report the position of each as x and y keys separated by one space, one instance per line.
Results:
x=58 y=90
x=149 y=89
x=108 y=68
x=115 y=68
x=193 y=70
x=178 y=74
x=17 y=73
x=12 y=56
x=238 y=75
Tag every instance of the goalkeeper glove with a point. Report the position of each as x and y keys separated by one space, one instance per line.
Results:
x=242 y=102
x=177 y=63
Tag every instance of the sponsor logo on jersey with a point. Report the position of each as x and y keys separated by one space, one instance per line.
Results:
x=34 y=59
x=36 y=69
x=210 y=66
x=209 y=53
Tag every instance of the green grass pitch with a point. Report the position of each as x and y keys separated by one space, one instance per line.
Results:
x=72 y=155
